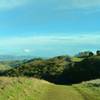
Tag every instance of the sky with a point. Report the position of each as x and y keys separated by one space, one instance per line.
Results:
x=46 y=28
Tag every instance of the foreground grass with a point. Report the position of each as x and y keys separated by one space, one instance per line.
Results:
x=33 y=89
x=57 y=92
x=22 y=89
x=90 y=90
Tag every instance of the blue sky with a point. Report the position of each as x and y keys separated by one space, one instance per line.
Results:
x=49 y=27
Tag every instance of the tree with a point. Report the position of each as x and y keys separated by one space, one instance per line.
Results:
x=91 y=54
x=85 y=54
x=98 y=52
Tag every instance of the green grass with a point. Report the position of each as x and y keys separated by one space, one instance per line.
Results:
x=58 y=92
x=22 y=88
x=76 y=59
x=90 y=90
x=4 y=67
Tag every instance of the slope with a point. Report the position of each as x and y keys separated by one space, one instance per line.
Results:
x=22 y=88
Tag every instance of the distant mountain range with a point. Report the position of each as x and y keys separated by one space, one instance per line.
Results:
x=12 y=57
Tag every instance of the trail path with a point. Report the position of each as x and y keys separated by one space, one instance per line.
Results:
x=59 y=92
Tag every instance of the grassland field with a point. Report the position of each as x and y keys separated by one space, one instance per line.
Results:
x=22 y=88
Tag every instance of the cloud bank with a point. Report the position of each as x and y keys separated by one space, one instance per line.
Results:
x=78 y=4
x=45 y=40
x=9 y=4
x=59 y=4
x=49 y=45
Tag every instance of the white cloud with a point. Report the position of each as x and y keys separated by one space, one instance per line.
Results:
x=8 y=4
x=36 y=41
x=77 y=4
x=86 y=3
x=27 y=50
x=56 y=4
x=61 y=4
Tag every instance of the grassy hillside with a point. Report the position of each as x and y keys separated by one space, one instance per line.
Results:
x=32 y=89
x=89 y=90
x=22 y=89
x=60 y=70
x=4 y=67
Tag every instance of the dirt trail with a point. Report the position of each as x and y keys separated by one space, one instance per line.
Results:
x=58 y=92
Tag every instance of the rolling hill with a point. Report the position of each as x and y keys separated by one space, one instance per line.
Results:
x=59 y=70
x=31 y=79
x=22 y=88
